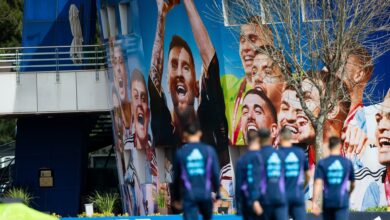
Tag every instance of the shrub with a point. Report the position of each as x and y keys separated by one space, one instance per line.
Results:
x=19 y=193
x=377 y=209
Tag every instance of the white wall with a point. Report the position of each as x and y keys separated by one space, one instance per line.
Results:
x=74 y=91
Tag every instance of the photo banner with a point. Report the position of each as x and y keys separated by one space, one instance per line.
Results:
x=171 y=63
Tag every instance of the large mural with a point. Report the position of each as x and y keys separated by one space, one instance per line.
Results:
x=170 y=63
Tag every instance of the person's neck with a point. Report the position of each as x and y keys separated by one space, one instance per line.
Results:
x=356 y=96
x=266 y=145
x=335 y=152
x=254 y=147
x=285 y=143
x=193 y=139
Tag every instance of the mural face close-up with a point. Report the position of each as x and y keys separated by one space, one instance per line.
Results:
x=170 y=64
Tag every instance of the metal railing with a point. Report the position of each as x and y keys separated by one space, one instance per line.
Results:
x=52 y=58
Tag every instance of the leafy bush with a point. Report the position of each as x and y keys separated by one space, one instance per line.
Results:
x=104 y=202
x=19 y=193
x=377 y=209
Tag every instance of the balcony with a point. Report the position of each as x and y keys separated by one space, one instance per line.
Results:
x=39 y=80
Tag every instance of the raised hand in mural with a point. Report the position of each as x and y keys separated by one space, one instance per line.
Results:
x=355 y=140
x=165 y=5
x=156 y=68
x=201 y=36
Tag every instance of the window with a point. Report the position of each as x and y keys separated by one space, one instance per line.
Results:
x=313 y=10
x=236 y=12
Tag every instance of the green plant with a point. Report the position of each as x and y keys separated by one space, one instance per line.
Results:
x=104 y=202
x=161 y=202
x=19 y=193
x=377 y=209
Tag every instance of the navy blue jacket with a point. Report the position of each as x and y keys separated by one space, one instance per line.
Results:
x=273 y=182
x=248 y=172
x=335 y=171
x=196 y=172
x=296 y=164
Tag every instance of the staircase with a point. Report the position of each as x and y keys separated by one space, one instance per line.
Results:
x=7 y=161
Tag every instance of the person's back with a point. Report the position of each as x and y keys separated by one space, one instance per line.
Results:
x=296 y=175
x=333 y=172
x=196 y=171
x=196 y=161
x=273 y=182
x=295 y=167
x=248 y=171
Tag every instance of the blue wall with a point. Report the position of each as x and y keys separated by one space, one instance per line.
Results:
x=46 y=23
x=55 y=142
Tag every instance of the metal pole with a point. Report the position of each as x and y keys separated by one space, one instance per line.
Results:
x=17 y=67
x=57 y=68
x=97 y=78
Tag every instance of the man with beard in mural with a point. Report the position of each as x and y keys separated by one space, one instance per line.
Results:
x=266 y=76
x=258 y=112
x=183 y=87
x=292 y=117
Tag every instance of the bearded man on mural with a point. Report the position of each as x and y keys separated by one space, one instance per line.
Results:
x=184 y=88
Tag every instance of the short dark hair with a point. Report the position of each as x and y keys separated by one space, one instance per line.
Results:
x=177 y=41
x=251 y=136
x=192 y=127
x=285 y=134
x=333 y=142
x=271 y=107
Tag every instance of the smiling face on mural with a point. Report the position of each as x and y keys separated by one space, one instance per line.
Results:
x=251 y=37
x=267 y=77
x=120 y=75
x=139 y=102
x=182 y=80
x=140 y=106
x=292 y=117
x=382 y=133
x=256 y=113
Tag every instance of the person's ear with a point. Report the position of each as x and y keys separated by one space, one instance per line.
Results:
x=274 y=130
x=332 y=114
x=359 y=76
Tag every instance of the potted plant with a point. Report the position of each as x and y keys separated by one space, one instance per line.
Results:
x=105 y=202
